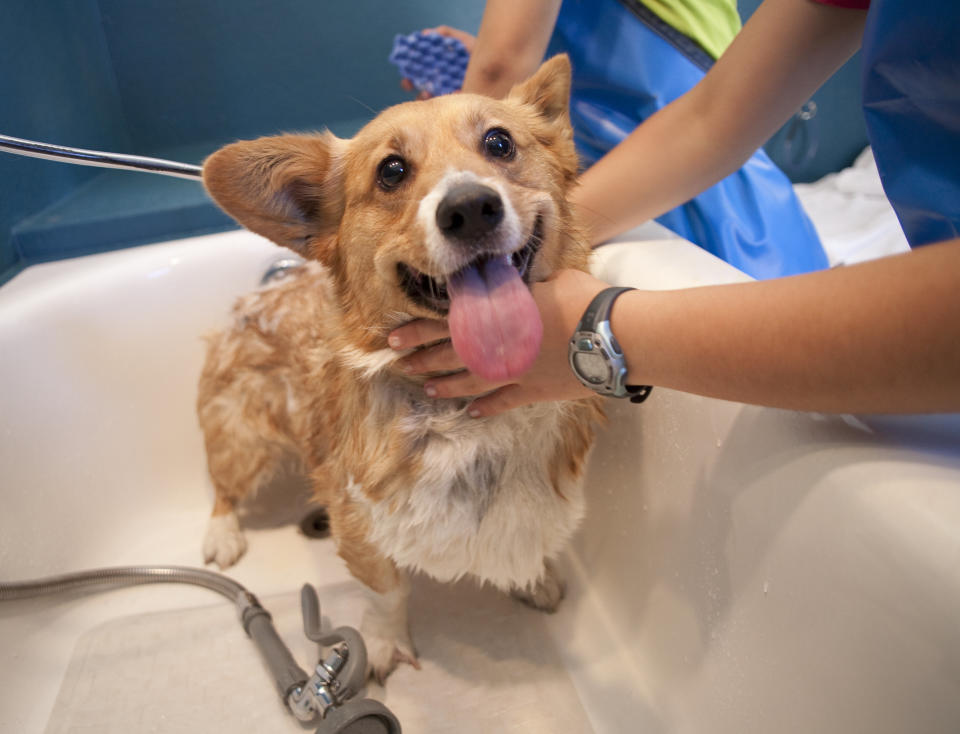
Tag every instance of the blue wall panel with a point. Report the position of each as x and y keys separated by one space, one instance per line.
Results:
x=56 y=84
x=218 y=69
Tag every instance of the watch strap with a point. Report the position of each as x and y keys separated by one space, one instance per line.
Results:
x=599 y=309
x=596 y=313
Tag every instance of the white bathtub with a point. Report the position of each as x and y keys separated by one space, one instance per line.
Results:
x=740 y=569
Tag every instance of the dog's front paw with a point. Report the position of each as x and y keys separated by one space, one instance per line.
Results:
x=545 y=593
x=224 y=542
x=384 y=653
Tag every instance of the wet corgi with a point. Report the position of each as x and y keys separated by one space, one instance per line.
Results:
x=446 y=209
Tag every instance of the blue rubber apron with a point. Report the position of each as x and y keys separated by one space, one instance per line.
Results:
x=911 y=103
x=627 y=64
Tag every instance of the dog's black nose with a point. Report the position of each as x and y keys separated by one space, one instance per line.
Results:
x=469 y=211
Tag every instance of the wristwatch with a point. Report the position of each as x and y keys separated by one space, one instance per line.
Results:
x=595 y=355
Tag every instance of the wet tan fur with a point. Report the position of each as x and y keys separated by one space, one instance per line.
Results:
x=303 y=373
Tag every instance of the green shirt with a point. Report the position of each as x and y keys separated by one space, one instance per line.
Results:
x=711 y=23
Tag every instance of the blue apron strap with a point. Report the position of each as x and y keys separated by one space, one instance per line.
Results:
x=625 y=70
x=911 y=104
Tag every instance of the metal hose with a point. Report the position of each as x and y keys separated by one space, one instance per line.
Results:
x=255 y=619
x=99 y=158
x=128 y=576
x=358 y=716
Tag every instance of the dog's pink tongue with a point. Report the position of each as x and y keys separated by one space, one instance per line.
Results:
x=494 y=323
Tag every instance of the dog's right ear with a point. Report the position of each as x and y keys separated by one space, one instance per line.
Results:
x=286 y=188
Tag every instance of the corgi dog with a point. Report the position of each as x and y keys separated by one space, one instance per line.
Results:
x=447 y=208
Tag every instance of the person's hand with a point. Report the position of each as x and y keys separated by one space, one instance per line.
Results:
x=561 y=300
x=444 y=30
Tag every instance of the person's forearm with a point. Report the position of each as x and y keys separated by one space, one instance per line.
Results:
x=786 y=50
x=510 y=44
x=665 y=162
x=878 y=337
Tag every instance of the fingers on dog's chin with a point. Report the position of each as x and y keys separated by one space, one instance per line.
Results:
x=459 y=385
x=436 y=361
x=417 y=334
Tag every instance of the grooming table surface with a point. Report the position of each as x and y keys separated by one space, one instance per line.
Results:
x=488 y=664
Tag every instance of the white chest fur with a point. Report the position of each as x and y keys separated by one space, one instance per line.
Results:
x=484 y=502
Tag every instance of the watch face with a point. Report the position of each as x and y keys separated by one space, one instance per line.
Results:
x=592 y=367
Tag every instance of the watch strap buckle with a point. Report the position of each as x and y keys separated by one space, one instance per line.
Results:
x=638 y=393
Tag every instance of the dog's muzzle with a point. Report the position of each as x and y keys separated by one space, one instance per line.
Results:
x=468 y=217
x=431 y=293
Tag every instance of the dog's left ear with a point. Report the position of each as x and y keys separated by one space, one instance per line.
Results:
x=286 y=188
x=548 y=89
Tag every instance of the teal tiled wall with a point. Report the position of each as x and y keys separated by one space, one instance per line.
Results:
x=56 y=84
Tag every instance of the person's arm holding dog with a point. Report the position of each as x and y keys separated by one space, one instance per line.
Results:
x=882 y=336
x=878 y=337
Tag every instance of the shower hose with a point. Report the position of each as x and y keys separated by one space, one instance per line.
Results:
x=319 y=697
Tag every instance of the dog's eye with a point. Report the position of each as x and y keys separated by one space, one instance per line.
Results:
x=498 y=143
x=392 y=170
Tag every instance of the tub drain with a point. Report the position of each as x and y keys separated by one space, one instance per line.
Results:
x=316 y=524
